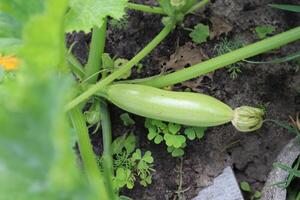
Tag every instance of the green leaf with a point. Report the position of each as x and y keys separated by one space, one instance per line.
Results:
x=190 y=133
x=127 y=120
x=9 y=45
x=170 y=149
x=245 y=186
x=148 y=123
x=178 y=152
x=107 y=61
x=168 y=139
x=158 y=139
x=200 y=33
x=9 y=26
x=83 y=15
x=137 y=155
x=167 y=7
x=13 y=16
x=130 y=142
x=200 y=131
x=148 y=157
x=178 y=141
x=257 y=194
x=119 y=63
x=151 y=134
x=22 y=10
x=118 y=144
x=174 y=128
x=288 y=7
x=263 y=31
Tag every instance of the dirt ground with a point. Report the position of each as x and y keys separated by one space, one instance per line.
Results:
x=271 y=85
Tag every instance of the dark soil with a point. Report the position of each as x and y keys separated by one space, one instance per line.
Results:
x=272 y=85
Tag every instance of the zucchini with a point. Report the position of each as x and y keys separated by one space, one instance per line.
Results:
x=187 y=108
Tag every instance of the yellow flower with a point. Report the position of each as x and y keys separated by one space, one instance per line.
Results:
x=9 y=63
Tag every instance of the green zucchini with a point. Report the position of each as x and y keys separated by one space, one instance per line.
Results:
x=187 y=108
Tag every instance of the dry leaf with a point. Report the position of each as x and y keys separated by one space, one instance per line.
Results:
x=219 y=26
x=185 y=56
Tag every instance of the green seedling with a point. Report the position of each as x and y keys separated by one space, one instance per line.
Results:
x=226 y=46
x=130 y=164
x=127 y=120
x=245 y=186
x=200 y=33
x=175 y=141
x=264 y=30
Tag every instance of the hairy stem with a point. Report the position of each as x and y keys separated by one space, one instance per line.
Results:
x=107 y=151
x=87 y=154
x=145 y=8
x=125 y=68
x=197 y=6
x=223 y=60
x=96 y=51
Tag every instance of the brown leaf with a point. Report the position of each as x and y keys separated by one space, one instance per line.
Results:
x=185 y=56
x=219 y=26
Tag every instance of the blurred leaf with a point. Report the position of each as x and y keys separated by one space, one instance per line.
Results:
x=83 y=15
x=127 y=120
x=36 y=156
x=13 y=16
x=288 y=7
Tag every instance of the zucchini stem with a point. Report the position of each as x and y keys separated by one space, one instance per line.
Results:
x=87 y=154
x=145 y=8
x=197 y=6
x=223 y=60
x=107 y=151
x=101 y=84
x=96 y=51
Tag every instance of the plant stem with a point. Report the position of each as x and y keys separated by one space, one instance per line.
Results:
x=145 y=8
x=96 y=51
x=106 y=132
x=197 y=6
x=75 y=66
x=223 y=60
x=87 y=154
x=107 y=151
x=125 y=68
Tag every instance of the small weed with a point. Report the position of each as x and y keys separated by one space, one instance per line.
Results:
x=245 y=186
x=175 y=140
x=226 y=46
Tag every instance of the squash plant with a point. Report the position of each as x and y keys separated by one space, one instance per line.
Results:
x=41 y=112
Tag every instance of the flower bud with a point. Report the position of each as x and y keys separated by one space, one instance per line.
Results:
x=246 y=118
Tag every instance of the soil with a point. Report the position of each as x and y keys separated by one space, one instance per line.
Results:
x=272 y=85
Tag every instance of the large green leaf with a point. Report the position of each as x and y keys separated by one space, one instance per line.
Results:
x=36 y=157
x=86 y=14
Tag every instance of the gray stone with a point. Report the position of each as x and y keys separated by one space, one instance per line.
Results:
x=224 y=187
x=287 y=156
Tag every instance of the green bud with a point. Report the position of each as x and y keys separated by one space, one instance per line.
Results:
x=177 y=3
x=246 y=118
